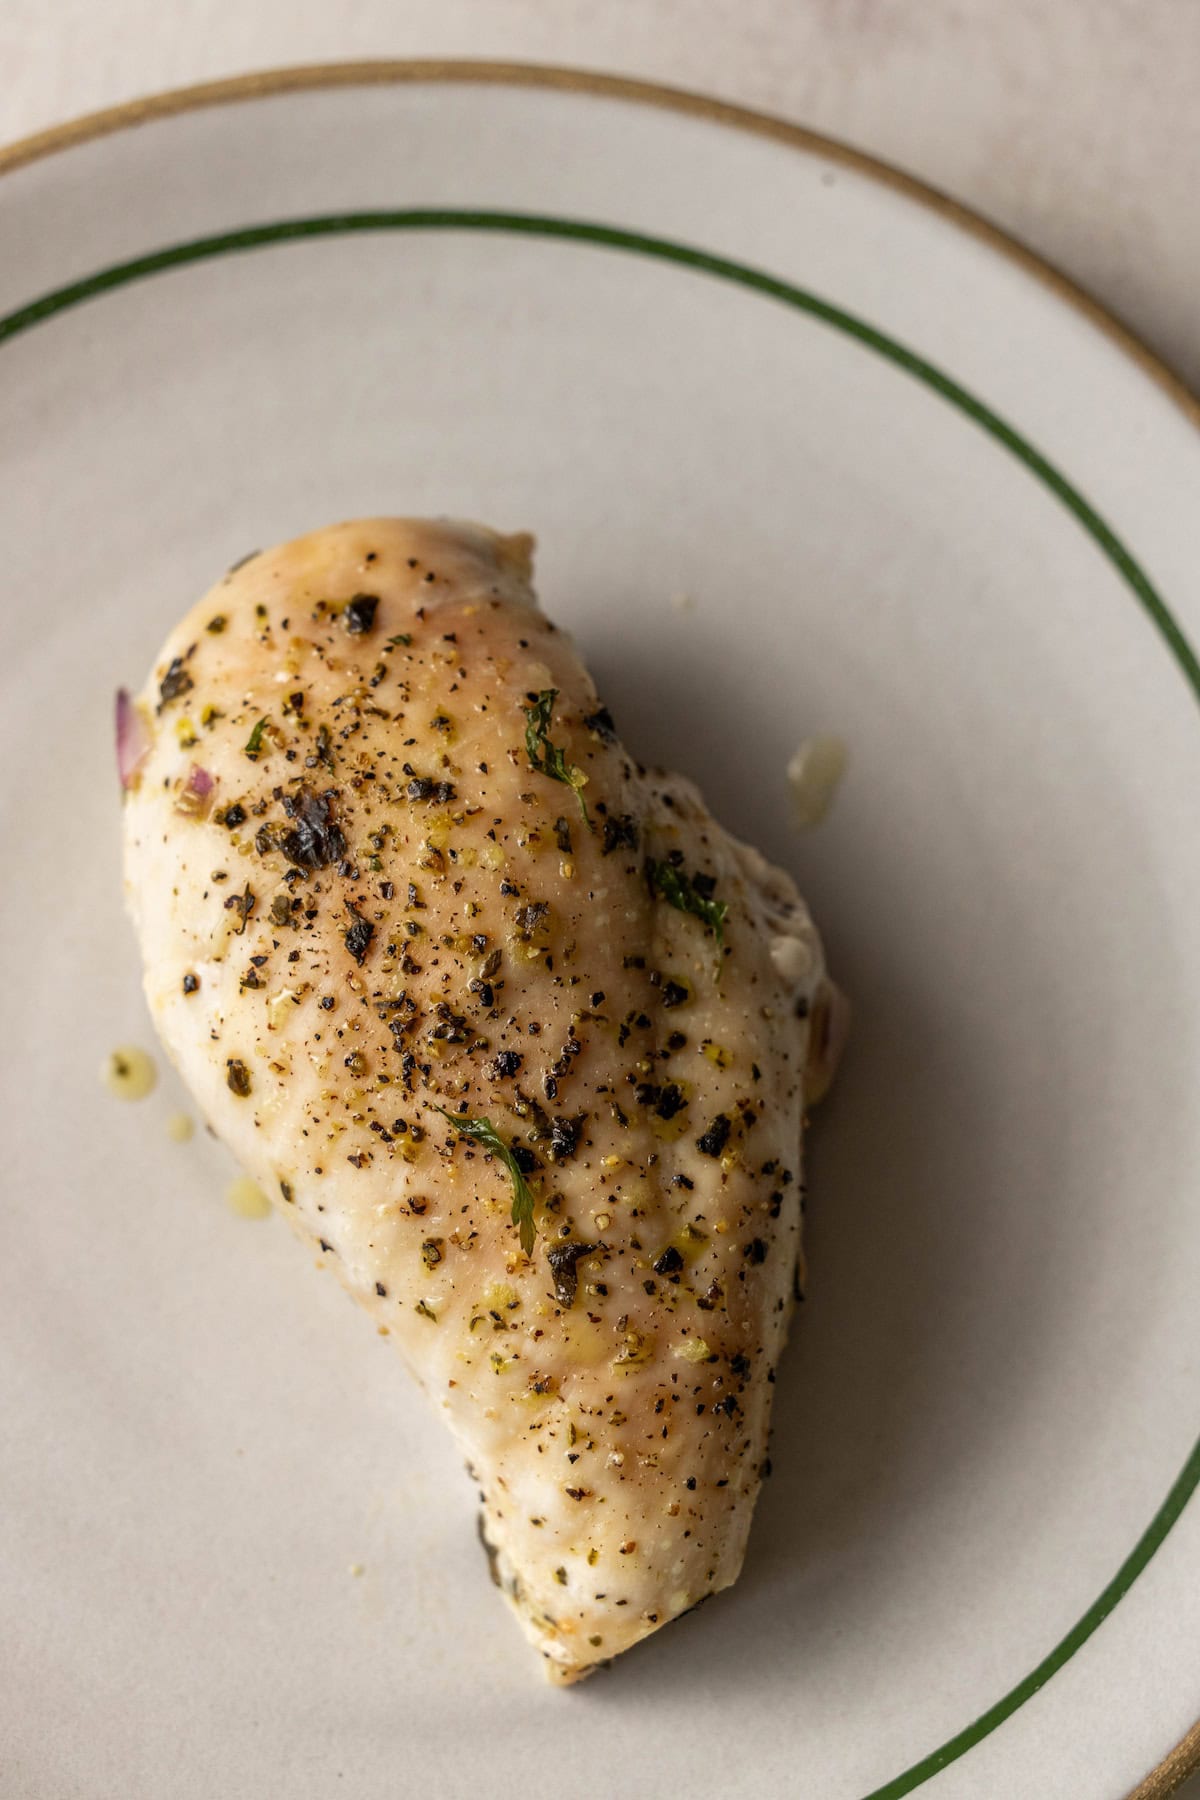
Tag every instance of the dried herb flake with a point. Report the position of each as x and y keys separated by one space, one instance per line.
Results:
x=480 y=1131
x=546 y=757
x=689 y=894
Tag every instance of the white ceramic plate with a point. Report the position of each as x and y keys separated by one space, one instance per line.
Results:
x=919 y=496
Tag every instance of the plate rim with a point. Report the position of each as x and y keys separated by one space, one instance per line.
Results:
x=394 y=71
x=1183 y=1759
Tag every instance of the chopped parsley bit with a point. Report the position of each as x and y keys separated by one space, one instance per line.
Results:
x=401 y=637
x=689 y=894
x=254 y=741
x=546 y=757
x=481 y=1132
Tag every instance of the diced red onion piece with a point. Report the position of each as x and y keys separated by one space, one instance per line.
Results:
x=132 y=739
x=200 y=782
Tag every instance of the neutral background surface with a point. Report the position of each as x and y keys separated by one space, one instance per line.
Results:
x=1074 y=126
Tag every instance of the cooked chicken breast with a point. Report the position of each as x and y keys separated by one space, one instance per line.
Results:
x=508 y=1027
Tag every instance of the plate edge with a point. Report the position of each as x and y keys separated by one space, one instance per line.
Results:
x=379 y=72
x=1184 y=1758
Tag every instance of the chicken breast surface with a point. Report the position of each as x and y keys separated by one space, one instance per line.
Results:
x=508 y=1027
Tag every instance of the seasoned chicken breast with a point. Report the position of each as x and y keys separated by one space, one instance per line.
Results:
x=510 y=1029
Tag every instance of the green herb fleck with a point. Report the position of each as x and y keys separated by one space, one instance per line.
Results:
x=254 y=741
x=546 y=757
x=401 y=637
x=689 y=894
x=481 y=1132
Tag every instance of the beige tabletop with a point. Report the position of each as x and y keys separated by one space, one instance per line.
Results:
x=1073 y=126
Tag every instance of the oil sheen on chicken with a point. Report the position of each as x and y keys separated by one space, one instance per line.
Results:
x=506 y=1024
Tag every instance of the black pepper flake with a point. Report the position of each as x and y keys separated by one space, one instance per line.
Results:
x=175 y=682
x=714 y=1140
x=243 y=904
x=600 y=723
x=755 y=1251
x=620 y=832
x=562 y=1259
x=525 y=1160
x=670 y=1101
x=562 y=835
x=504 y=1064
x=357 y=938
x=315 y=839
x=359 y=615
x=564 y=1137
x=441 y=793
x=191 y=983
x=234 y=815
x=237 y=1077
x=381 y=1290
x=675 y=993
x=669 y=1263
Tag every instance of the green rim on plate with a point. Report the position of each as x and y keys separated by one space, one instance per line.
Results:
x=611 y=237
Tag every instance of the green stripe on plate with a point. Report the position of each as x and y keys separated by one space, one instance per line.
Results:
x=704 y=262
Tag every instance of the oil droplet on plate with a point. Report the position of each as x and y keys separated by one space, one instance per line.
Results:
x=128 y=1073
x=179 y=1128
x=247 y=1199
x=814 y=774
